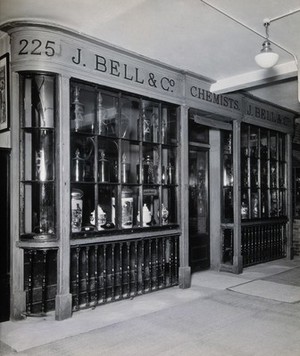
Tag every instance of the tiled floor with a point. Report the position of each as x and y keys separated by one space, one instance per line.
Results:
x=254 y=313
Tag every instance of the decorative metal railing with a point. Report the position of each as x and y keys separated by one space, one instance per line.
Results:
x=111 y=271
x=102 y=272
x=40 y=280
x=227 y=244
x=263 y=241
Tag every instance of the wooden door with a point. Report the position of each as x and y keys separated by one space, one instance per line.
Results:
x=198 y=209
x=4 y=236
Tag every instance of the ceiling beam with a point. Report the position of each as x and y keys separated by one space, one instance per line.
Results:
x=255 y=78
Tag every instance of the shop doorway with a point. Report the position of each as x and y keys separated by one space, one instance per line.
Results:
x=4 y=237
x=199 y=240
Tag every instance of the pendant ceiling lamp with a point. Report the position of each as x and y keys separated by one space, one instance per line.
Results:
x=266 y=58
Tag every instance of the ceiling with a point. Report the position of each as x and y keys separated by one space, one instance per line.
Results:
x=190 y=35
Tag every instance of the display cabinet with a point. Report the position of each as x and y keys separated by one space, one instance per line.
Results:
x=38 y=220
x=263 y=194
x=123 y=161
x=263 y=214
x=263 y=171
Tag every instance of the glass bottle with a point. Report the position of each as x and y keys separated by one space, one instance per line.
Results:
x=164 y=214
x=146 y=125
x=170 y=174
x=78 y=111
x=101 y=218
x=164 y=124
x=78 y=167
x=76 y=209
x=127 y=208
x=125 y=169
x=103 y=168
x=148 y=170
x=147 y=216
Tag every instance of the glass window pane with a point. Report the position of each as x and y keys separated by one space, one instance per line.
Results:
x=129 y=158
x=83 y=108
x=39 y=208
x=150 y=121
x=130 y=111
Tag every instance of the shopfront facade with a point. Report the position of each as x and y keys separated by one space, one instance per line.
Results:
x=126 y=175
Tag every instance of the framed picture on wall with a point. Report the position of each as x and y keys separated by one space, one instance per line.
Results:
x=4 y=93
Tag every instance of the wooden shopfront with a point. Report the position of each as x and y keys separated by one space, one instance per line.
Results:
x=108 y=151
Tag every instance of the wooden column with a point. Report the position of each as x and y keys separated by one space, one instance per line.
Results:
x=289 y=232
x=237 y=241
x=17 y=293
x=215 y=194
x=184 y=268
x=63 y=301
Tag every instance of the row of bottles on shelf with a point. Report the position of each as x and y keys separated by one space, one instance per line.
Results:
x=99 y=220
x=256 y=209
x=82 y=170
x=152 y=124
x=262 y=144
x=264 y=179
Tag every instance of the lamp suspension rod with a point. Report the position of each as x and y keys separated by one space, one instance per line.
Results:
x=284 y=15
x=232 y=18
x=256 y=32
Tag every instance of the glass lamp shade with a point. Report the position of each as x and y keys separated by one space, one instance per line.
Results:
x=266 y=58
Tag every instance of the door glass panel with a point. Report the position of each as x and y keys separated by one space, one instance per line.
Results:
x=198 y=203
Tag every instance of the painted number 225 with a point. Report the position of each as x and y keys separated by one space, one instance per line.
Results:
x=36 y=47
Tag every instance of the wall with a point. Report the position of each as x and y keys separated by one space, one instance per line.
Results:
x=4 y=48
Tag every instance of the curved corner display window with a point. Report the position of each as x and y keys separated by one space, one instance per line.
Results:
x=38 y=156
x=123 y=161
x=263 y=173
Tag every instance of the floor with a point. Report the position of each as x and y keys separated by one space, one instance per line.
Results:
x=254 y=313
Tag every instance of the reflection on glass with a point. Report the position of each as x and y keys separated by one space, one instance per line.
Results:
x=227 y=143
x=100 y=114
x=264 y=144
x=110 y=113
x=228 y=204
x=254 y=205
x=245 y=207
x=164 y=125
x=42 y=199
x=228 y=171
x=273 y=146
x=254 y=143
x=42 y=101
x=130 y=112
x=43 y=160
x=273 y=208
